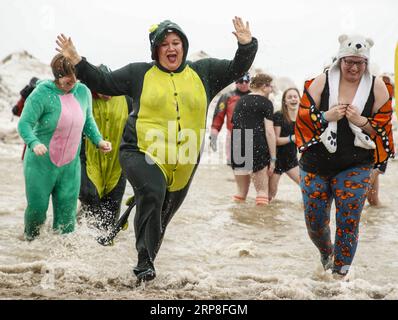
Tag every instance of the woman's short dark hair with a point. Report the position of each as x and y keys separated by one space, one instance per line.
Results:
x=62 y=66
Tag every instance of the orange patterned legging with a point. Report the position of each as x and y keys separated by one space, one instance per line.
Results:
x=348 y=189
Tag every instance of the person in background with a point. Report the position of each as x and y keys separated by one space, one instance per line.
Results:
x=373 y=194
x=286 y=151
x=253 y=146
x=24 y=94
x=225 y=109
x=161 y=143
x=343 y=129
x=51 y=125
x=396 y=79
x=102 y=181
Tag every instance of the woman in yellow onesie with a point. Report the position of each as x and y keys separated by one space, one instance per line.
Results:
x=163 y=136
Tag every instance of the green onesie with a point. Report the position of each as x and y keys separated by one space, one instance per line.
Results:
x=57 y=120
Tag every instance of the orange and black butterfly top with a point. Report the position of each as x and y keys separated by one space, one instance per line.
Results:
x=309 y=126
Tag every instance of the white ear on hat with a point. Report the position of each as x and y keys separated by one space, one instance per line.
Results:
x=370 y=42
x=342 y=38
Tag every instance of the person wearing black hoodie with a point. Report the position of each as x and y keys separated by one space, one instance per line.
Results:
x=163 y=137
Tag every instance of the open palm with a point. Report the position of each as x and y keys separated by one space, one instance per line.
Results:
x=242 y=31
x=67 y=48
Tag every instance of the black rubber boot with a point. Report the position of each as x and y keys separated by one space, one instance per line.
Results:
x=145 y=270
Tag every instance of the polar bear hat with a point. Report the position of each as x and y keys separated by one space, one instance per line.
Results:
x=354 y=45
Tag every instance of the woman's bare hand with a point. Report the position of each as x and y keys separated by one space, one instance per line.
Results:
x=242 y=31
x=40 y=150
x=67 y=48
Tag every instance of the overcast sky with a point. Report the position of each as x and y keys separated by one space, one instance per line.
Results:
x=296 y=37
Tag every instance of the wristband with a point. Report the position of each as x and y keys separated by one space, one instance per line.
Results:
x=290 y=138
x=323 y=117
x=367 y=120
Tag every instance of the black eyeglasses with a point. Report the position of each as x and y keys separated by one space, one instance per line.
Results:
x=351 y=63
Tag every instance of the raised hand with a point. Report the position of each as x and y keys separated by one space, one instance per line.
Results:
x=242 y=31
x=67 y=48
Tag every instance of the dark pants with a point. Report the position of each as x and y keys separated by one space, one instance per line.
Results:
x=155 y=206
x=104 y=211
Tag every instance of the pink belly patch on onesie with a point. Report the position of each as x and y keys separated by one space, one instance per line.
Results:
x=67 y=135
